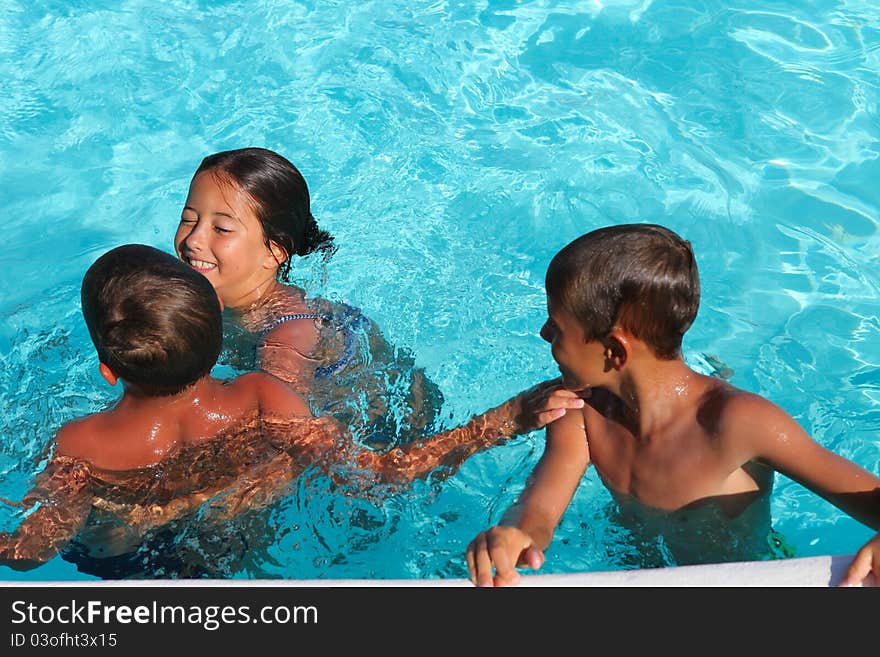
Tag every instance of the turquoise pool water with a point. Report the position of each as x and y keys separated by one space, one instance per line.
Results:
x=452 y=149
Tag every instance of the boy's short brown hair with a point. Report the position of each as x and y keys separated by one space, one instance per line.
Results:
x=640 y=277
x=154 y=321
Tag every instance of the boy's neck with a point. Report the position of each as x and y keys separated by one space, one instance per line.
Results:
x=134 y=395
x=655 y=392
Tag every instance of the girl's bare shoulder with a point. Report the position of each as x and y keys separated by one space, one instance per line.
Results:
x=274 y=396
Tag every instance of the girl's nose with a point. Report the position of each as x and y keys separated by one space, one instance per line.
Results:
x=192 y=235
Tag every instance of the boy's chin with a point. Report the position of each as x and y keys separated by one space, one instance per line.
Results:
x=574 y=386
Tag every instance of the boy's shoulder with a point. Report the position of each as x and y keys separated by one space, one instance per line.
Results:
x=736 y=402
x=727 y=411
x=77 y=437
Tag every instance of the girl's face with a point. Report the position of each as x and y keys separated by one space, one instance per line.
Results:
x=220 y=236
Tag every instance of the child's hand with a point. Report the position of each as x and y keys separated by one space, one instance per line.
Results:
x=544 y=403
x=865 y=568
x=504 y=548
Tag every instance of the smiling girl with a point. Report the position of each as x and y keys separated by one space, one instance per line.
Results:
x=245 y=217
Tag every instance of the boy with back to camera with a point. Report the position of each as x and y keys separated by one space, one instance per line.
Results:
x=688 y=458
x=156 y=325
x=178 y=437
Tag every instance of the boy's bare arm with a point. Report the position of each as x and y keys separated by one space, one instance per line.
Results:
x=324 y=442
x=446 y=451
x=552 y=483
x=527 y=527
x=772 y=436
x=254 y=488
x=64 y=496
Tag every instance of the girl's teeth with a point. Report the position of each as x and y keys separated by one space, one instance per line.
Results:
x=201 y=264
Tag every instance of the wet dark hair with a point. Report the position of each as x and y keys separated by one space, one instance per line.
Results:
x=154 y=321
x=641 y=277
x=281 y=200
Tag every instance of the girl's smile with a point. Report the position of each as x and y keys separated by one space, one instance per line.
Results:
x=220 y=236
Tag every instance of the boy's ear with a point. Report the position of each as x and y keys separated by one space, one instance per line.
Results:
x=108 y=374
x=617 y=350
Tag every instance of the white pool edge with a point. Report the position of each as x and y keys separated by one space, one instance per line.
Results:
x=823 y=571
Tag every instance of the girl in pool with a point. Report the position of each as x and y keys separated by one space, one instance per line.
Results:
x=246 y=216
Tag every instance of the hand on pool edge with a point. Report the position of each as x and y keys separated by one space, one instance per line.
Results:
x=865 y=567
x=503 y=548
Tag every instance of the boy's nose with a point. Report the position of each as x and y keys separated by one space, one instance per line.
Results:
x=546 y=332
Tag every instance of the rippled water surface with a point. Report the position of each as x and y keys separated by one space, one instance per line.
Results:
x=452 y=149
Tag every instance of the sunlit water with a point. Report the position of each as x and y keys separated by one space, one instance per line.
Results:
x=452 y=149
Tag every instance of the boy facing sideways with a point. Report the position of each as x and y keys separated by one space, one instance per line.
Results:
x=687 y=458
x=175 y=439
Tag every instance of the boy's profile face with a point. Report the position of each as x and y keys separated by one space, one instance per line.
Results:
x=580 y=360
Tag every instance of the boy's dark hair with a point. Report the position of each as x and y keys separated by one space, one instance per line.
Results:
x=154 y=321
x=641 y=277
x=281 y=199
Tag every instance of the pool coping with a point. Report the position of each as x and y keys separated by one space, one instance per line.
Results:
x=822 y=571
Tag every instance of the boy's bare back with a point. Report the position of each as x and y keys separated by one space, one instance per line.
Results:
x=146 y=429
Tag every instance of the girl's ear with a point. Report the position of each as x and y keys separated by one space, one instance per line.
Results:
x=278 y=255
x=108 y=374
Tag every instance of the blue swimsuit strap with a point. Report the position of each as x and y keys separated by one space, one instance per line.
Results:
x=349 y=338
x=286 y=318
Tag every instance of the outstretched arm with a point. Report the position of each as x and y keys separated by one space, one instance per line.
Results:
x=302 y=441
x=256 y=487
x=446 y=451
x=546 y=402
x=527 y=527
x=325 y=443
x=774 y=437
x=64 y=499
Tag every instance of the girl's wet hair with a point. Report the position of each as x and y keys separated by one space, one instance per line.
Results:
x=281 y=200
x=641 y=277
x=154 y=321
